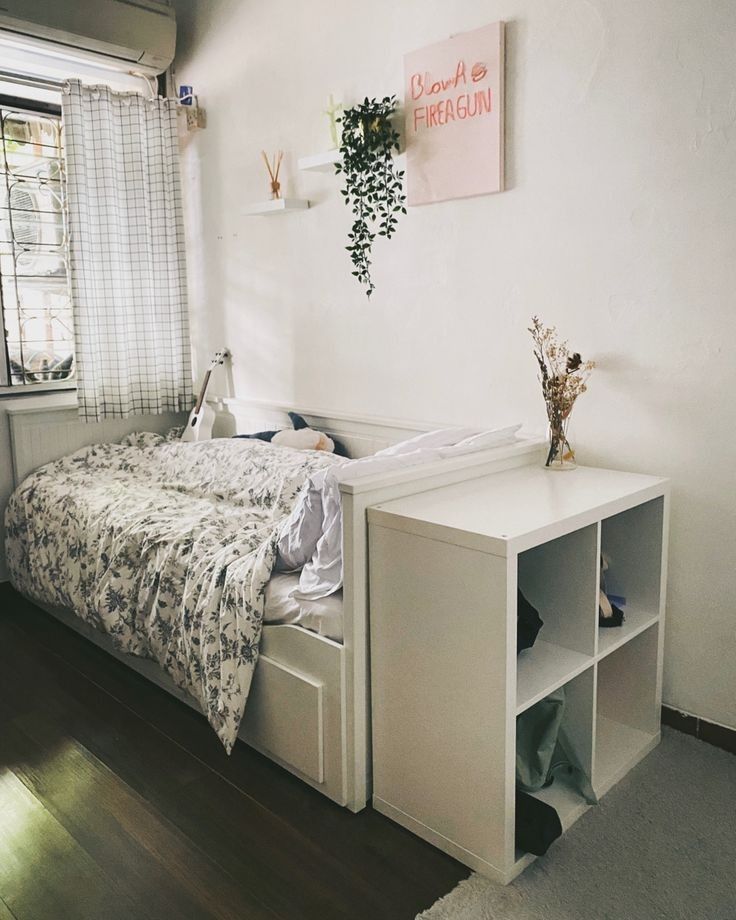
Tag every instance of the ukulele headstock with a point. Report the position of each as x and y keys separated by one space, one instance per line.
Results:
x=220 y=357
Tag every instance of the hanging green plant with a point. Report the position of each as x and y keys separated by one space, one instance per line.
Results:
x=373 y=186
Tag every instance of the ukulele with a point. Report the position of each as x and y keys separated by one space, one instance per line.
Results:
x=202 y=417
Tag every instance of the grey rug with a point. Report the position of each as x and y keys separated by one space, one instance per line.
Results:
x=660 y=846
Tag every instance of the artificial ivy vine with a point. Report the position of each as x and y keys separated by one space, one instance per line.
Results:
x=373 y=186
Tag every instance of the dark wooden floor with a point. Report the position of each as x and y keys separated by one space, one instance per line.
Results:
x=117 y=801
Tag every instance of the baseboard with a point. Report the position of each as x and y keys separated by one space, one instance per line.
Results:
x=718 y=735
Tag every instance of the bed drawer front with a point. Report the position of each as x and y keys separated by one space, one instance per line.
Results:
x=284 y=717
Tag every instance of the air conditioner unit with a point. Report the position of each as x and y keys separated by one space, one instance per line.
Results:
x=137 y=35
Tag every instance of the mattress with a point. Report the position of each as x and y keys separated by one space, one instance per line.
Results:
x=322 y=616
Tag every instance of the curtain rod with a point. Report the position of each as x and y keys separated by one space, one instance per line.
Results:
x=22 y=79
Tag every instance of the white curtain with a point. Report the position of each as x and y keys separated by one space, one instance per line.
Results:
x=126 y=242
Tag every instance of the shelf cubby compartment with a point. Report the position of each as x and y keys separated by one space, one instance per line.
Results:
x=632 y=543
x=570 y=793
x=627 y=709
x=559 y=579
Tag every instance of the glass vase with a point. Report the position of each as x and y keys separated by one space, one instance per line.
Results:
x=560 y=455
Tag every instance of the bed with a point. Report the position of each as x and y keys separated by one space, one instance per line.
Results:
x=308 y=705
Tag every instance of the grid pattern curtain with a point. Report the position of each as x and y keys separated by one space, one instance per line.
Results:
x=126 y=249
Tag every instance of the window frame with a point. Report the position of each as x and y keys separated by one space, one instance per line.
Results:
x=39 y=107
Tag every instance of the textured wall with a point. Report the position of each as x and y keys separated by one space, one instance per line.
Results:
x=619 y=226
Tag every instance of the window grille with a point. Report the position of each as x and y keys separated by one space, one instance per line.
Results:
x=34 y=285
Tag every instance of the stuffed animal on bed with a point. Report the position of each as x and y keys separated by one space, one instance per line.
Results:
x=301 y=437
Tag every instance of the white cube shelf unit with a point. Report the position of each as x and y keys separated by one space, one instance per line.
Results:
x=447 y=684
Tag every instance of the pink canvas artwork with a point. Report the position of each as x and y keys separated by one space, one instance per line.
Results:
x=454 y=117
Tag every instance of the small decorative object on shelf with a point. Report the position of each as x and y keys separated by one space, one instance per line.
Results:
x=563 y=376
x=609 y=605
x=373 y=186
x=189 y=109
x=273 y=171
x=332 y=111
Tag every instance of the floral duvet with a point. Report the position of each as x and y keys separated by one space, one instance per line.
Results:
x=167 y=547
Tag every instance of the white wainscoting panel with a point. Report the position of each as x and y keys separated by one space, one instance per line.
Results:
x=361 y=435
x=39 y=436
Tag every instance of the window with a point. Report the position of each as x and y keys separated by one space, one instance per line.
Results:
x=34 y=286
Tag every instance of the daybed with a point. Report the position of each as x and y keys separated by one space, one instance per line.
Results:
x=308 y=707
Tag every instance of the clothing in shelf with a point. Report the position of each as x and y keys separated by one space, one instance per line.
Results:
x=608 y=613
x=528 y=623
x=537 y=730
x=537 y=824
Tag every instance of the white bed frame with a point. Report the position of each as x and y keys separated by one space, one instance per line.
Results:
x=323 y=735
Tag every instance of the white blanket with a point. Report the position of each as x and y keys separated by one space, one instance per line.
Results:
x=167 y=547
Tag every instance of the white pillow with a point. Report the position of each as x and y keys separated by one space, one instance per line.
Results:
x=482 y=441
x=442 y=437
x=312 y=536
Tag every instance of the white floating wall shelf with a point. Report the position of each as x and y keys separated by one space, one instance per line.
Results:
x=320 y=162
x=276 y=206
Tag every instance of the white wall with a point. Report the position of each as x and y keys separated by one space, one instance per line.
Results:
x=619 y=226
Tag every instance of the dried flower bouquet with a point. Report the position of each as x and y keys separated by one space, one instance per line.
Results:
x=563 y=376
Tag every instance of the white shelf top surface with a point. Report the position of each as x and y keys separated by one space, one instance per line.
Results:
x=276 y=206
x=635 y=622
x=543 y=668
x=517 y=508
x=321 y=162
x=616 y=746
